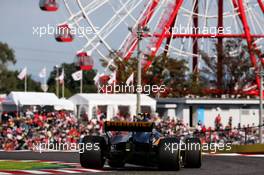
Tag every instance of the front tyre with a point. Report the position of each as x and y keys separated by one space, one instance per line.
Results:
x=92 y=155
x=169 y=154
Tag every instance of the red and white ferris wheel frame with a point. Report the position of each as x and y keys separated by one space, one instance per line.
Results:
x=161 y=34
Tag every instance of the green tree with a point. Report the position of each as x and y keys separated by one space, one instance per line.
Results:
x=7 y=56
x=173 y=73
x=11 y=82
x=71 y=86
x=170 y=72
x=166 y=71
x=237 y=72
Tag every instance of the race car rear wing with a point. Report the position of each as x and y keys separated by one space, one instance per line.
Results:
x=128 y=126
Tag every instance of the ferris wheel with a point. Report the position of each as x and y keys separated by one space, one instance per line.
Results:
x=178 y=28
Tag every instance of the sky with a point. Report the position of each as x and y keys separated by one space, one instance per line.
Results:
x=18 y=17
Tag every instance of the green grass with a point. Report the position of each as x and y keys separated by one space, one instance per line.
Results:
x=12 y=165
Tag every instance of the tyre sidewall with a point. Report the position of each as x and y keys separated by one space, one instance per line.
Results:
x=93 y=157
x=169 y=159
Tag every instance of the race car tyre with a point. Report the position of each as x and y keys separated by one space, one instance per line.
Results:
x=116 y=164
x=92 y=155
x=169 y=154
x=193 y=154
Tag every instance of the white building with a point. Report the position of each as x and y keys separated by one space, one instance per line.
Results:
x=111 y=104
x=243 y=111
x=16 y=101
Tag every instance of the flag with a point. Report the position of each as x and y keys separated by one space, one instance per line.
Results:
x=78 y=75
x=61 y=77
x=130 y=79
x=22 y=74
x=96 y=78
x=43 y=73
x=112 y=78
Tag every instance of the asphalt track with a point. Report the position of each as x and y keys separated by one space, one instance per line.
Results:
x=211 y=165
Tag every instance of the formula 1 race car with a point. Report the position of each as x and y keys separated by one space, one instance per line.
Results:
x=138 y=143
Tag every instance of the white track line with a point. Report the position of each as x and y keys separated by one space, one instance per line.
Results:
x=27 y=160
x=90 y=170
x=35 y=172
x=67 y=171
x=58 y=162
x=2 y=173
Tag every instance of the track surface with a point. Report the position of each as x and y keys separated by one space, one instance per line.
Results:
x=211 y=165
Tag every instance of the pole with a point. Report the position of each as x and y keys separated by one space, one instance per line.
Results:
x=25 y=83
x=81 y=84
x=45 y=80
x=139 y=35
x=57 y=81
x=220 y=46
x=260 y=103
x=45 y=77
x=63 y=85
x=62 y=89
x=195 y=40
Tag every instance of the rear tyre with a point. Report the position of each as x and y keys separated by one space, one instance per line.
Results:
x=169 y=159
x=193 y=153
x=93 y=156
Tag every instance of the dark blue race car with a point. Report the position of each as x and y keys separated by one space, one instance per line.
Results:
x=138 y=143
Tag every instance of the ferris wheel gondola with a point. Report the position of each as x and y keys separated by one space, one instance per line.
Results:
x=48 y=5
x=63 y=33
x=84 y=61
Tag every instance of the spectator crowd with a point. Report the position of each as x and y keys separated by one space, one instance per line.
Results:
x=21 y=132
